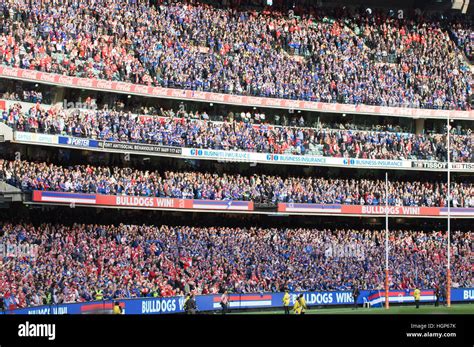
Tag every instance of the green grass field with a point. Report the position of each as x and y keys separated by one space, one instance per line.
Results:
x=424 y=309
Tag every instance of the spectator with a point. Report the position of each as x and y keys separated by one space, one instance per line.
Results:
x=259 y=188
x=240 y=135
x=125 y=261
x=322 y=56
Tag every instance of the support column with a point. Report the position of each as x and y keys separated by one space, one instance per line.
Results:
x=58 y=97
x=420 y=126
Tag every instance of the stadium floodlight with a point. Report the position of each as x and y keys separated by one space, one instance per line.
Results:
x=386 y=241
x=448 y=272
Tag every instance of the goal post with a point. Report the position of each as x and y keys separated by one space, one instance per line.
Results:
x=448 y=270
x=387 y=305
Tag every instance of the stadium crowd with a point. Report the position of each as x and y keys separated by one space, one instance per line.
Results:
x=323 y=56
x=83 y=262
x=32 y=96
x=178 y=131
x=464 y=37
x=258 y=188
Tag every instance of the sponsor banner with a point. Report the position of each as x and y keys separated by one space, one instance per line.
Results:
x=170 y=305
x=77 y=142
x=436 y=165
x=153 y=202
x=235 y=205
x=140 y=201
x=463 y=166
x=392 y=210
x=243 y=301
x=421 y=164
x=297 y=159
x=236 y=156
x=128 y=88
x=407 y=210
x=155 y=305
x=321 y=298
x=457 y=211
x=374 y=210
x=141 y=147
x=68 y=198
x=377 y=299
x=3 y=105
x=223 y=205
x=51 y=309
x=21 y=136
x=314 y=208
x=374 y=163
x=194 y=153
x=99 y=308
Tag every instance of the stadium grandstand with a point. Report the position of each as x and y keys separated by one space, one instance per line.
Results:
x=229 y=152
